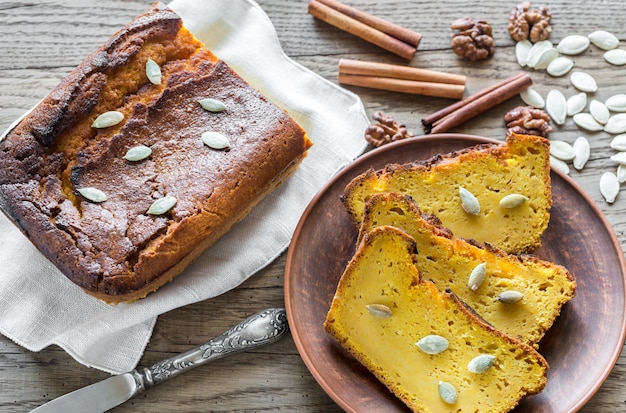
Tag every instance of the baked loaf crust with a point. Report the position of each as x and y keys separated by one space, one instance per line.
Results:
x=489 y=172
x=116 y=250
x=406 y=309
x=448 y=263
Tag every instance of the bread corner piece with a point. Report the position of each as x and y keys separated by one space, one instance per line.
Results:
x=450 y=262
x=382 y=309
x=115 y=249
x=521 y=166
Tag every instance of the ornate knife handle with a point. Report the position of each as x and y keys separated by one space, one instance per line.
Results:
x=257 y=330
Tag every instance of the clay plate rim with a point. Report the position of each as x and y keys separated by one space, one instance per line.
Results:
x=582 y=347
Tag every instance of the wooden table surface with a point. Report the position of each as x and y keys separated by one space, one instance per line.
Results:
x=42 y=40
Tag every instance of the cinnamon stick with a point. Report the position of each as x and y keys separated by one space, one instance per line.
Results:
x=361 y=30
x=445 y=90
x=474 y=105
x=399 y=32
x=359 y=67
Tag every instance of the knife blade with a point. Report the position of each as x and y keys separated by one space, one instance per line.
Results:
x=260 y=329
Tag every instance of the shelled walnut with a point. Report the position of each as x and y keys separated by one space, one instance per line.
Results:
x=532 y=24
x=385 y=131
x=473 y=39
x=527 y=120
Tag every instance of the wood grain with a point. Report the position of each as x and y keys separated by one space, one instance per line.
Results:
x=42 y=40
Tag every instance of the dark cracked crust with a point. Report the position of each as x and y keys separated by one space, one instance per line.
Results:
x=115 y=250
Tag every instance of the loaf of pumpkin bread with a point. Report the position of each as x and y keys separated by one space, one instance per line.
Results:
x=142 y=157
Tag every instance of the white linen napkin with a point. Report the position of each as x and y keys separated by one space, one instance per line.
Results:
x=40 y=307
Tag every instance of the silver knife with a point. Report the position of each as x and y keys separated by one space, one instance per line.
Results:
x=257 y=330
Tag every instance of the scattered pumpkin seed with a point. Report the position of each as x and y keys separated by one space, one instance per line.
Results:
x=215 y=140
x=153 y=71
x=573 y=45
x=599 y=111
x=576 y=103
x=556 y=106
x=532 y=98
x=433 y=344
x=609 y=186
x=379 y=310
x=477 y=276
x=621 y=173
x=534 y=54
x=559 y=165
x=521 y=51
x=619 y=142
x=586 y=121
x=512 y=201
x=212 y=105
x=583 y=82
x=481 y=363
x=510 y=297
x=162 y=205
x=619 y=158
x=447 y=392
x=616 y=124
x=562 y=150
x=582 y=151
x=469 y=202
x=545 y=58
x=616 y=103
x=106 y=119
x=138 y=153
x=616 y=57
x=560 y=66
x=93 y=194
x=603 y=39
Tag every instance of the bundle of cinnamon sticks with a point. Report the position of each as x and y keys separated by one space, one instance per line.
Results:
x=476 y=104
x=389 y=36
x=403 y=79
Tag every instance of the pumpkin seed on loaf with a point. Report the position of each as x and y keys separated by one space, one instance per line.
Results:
x=479 y=369
x=487 y=172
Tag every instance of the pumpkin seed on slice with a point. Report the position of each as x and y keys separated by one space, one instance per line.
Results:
x=433 y=344
x=153 y=71
x=481 y=363
x=379 y=310
x=93 y=194
x=469 y=202
x=512 y=201
x=162 y=205
x=477 y=276
x=138 y=153
x=215 y=140
x=212 y=105
x=510 y=297
x=447 y=392
x=106 y=119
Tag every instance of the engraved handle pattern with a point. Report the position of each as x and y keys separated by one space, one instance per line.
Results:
x=257 y=330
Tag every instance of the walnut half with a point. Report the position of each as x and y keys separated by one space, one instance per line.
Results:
x=526 y=120
x=473 y=39
x=385 y=131
x=529 y=24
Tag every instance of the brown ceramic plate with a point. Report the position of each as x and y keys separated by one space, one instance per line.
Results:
x=582 y=347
